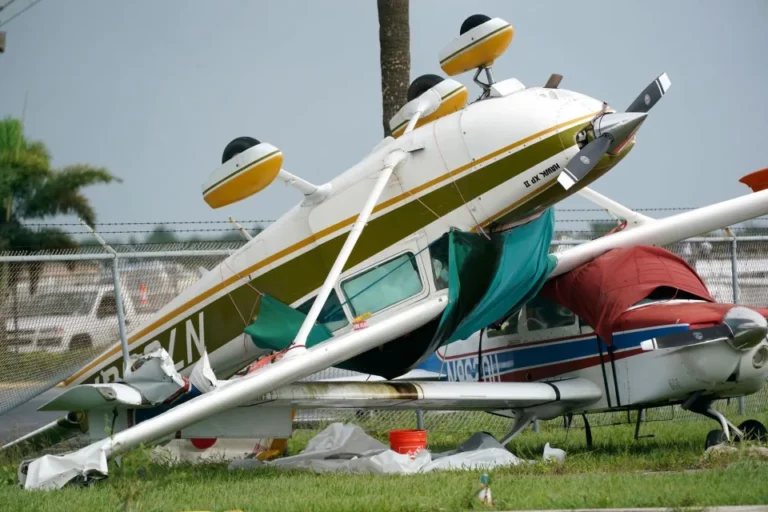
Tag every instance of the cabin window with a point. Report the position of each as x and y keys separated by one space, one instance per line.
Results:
x=542 y=313
x=331 y=316
x=383 y=285
x=438 y=256
x=508 y=327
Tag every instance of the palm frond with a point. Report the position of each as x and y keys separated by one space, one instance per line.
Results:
x=60 y=193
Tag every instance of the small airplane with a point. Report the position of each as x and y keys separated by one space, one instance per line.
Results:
x=346 y=277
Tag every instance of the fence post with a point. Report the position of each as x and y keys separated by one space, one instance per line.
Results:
x=120 y=312
x=736 y=296
x=419 y=419
x=118 y=295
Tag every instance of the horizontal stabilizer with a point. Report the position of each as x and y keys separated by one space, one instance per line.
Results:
x=94 y=396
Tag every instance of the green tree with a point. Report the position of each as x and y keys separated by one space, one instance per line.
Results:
x=30 y=189
x=161 y=235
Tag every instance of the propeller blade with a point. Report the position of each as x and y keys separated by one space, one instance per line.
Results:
x=651 y=95
x=554 y=81
x=688 y=338
x=584 y=161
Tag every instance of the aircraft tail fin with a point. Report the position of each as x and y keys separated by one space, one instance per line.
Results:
x=757 y=180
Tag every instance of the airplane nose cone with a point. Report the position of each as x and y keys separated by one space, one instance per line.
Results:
x=620 y=125
x=749 y=327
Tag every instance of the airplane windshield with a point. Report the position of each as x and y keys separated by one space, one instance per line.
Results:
x=383 y=285
x=544 y=314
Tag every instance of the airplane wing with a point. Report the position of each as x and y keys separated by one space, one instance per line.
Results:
x=427 y=395
x=432 y=395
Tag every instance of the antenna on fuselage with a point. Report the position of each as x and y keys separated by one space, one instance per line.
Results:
x=247 y=167
x=481 y=41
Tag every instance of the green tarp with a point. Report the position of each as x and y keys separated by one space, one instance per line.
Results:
x=277 y=324
x=522 y=265
x=488 y=280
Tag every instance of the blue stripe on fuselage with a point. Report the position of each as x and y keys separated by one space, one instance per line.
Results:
x=515 y=357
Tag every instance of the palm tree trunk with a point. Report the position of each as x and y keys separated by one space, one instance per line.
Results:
x=395 y=57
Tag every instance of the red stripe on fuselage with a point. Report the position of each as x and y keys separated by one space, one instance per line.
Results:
x=554 y=370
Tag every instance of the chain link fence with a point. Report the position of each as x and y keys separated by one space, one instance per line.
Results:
x=58 y=310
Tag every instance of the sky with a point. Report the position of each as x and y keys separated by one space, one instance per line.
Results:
x=154 y=91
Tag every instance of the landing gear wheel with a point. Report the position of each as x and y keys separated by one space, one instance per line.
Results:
x=714 y=438
x=754 y=431
x=237 y=146
x=422 y=84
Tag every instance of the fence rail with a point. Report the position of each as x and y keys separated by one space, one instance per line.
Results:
x=59 y=309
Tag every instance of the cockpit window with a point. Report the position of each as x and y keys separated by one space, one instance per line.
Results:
x=665 y=293
x=542 y=313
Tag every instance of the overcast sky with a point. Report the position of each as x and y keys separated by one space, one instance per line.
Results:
x=155 y=90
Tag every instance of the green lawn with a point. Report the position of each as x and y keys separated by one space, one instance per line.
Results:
x=668 y=470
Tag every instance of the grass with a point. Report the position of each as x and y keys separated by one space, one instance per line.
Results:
x=669 y=470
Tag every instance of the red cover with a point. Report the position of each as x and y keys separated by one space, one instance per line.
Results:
x=601 y=291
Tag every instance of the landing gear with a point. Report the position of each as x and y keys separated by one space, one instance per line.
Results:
x=749 y=430
x=714 y=438
x=754 y=431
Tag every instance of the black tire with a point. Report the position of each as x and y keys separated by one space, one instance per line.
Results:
x=473 y=21
x=754 y=431
x=714 y=438
x=80 y=341
x=422 y=84
x=237 y=146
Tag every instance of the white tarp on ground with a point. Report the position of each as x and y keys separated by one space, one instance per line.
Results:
x=348 y=449
x=55 y=471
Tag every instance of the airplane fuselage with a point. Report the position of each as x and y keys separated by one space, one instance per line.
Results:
x=493 y=161
x=629 y=377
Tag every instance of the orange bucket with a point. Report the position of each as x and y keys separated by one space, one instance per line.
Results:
x=409 y=442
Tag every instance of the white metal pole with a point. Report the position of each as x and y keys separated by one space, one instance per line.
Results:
x=391 y=161
x=120 y=313
x=736 y=296
x=613 y=207
x=118 y=295
x=412 y=122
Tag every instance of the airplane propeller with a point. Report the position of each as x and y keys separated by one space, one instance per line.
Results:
x=612 y=131
x=742 y=328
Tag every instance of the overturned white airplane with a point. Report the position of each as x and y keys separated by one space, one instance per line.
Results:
x=442 y=230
